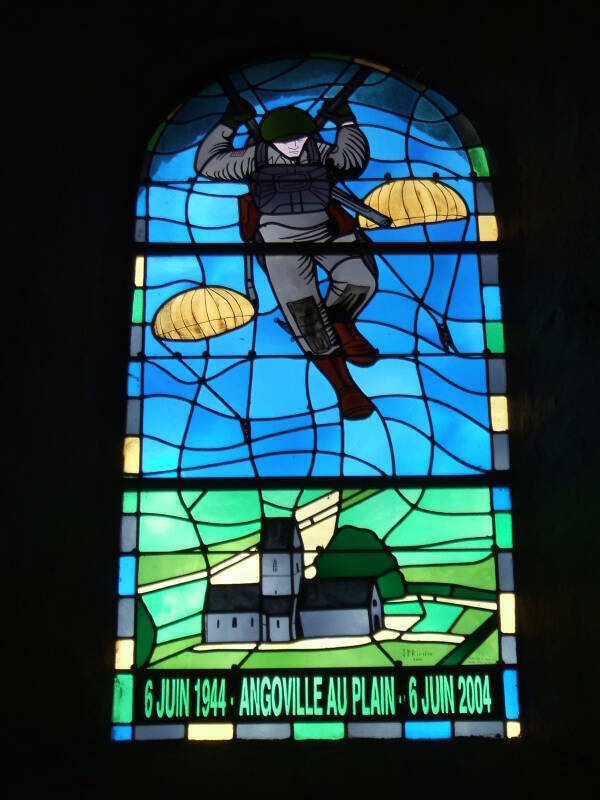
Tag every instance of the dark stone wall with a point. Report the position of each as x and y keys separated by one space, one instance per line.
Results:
x=85 y=89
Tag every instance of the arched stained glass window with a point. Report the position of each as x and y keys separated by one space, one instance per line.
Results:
x=316 y=536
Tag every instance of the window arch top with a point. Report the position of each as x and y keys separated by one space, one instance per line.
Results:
x=426 y=167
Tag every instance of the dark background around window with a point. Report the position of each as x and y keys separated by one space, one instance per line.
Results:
x=85 y=90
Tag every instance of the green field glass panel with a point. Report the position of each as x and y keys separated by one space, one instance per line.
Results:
x=480 y=575
x=164 y=503
x=157 y=568
x=174 y=603
x=214 y=507
x=494 y=337
x=168 y=649
x=350 y=499
x=411 y=655
x=404 y=608
x=281 y=498
x=217 y=558
x=456 y=501
x=212 y=535
x=191 y=626
x=235 y=545
x=439 y=617
x=470 y=620
x=368 y=655
x=166 y=534
x=205 y=660
x=309 y=495
x=475 y=643
x=421 y=529
x=487 y=652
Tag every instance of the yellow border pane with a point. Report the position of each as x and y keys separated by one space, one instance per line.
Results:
x=487 y=226
x=124 y=654
x=507 y=612
x=363 y=62
x=140 y=269
x=131 y=455
x=210 y=731
x=499 y=412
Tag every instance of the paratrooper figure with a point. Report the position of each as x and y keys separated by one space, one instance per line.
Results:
x=290 y=172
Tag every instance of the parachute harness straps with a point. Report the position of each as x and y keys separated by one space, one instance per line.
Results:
x=284 y=189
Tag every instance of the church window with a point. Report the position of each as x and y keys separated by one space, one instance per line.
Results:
x=317 y=351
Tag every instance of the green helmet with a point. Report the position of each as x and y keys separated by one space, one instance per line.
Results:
x=287 y=122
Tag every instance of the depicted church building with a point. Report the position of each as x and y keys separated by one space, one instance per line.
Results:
x=283 y=606
x=340 y=608
x=281 y=558
x=232 y=613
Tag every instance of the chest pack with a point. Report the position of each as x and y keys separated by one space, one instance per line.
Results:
x=290 y=188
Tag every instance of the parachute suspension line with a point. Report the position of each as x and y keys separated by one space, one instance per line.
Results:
x=322 y=94
x=249 y=280
x=188 y=224
x=252 y=88
x=447 y=341
x=443 y=329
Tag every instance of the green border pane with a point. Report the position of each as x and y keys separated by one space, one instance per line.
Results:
x=123 y=698
x=318 y=730
x=156 y=136
x=494 y=336
x=479 y=162
x=130 y=502
x=503 y=524
x=137 y=313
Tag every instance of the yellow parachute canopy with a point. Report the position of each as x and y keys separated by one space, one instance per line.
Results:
x=411 y=201
x=201 y=313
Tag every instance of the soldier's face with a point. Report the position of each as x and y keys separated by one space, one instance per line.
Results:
x=291 y=148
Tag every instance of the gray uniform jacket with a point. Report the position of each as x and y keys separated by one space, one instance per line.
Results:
x=216 y=158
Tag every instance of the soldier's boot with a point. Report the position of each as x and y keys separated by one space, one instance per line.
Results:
x=353 y=403
x=356 y=348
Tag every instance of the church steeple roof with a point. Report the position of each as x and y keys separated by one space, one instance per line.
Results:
x=278 y=533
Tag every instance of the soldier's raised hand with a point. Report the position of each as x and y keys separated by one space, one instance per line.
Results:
x=238 y=113
x=340 y=115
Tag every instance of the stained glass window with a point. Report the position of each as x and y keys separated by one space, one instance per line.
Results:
x=316 y=539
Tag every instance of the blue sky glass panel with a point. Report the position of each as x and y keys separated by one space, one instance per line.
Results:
x=209 y=407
